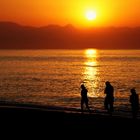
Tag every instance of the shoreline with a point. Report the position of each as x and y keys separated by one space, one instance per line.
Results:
x=4 y=105
x=22 y=107
x=52 y=120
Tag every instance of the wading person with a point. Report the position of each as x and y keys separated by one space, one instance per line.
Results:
x=84 y=98
x=109 y=98
x=134 y=100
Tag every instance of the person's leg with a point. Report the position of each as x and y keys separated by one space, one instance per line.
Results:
x=82 y=105
x=106 y=103
x=87 y=106
x=111 y=107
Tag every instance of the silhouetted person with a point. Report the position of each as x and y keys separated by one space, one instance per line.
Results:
x=109 y=98
x=84 y=98
x=134 y=100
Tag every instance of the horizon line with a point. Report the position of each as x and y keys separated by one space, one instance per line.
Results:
x=66 y=25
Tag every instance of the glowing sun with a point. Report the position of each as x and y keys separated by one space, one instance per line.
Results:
x=91 y=52
x=90 y=15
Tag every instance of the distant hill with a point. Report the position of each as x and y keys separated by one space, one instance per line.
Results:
x=15 y=36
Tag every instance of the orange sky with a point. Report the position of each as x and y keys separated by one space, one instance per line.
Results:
x=62 y=12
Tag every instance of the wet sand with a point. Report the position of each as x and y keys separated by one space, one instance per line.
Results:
x=47 y=120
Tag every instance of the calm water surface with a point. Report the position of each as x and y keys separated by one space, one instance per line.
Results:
x=53 y=77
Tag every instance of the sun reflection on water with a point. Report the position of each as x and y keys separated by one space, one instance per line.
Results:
x=91 y=71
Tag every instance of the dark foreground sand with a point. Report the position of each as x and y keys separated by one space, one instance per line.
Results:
x=36 y=118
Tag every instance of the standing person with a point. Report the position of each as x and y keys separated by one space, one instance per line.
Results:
x=84 y=98
x=109 y=98
x=134 y=100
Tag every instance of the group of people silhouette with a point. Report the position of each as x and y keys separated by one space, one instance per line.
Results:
x=109 y=99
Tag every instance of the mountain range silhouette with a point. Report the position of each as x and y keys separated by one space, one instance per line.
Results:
x=16 y=36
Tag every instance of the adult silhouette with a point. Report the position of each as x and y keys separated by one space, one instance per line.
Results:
x=84 y=98
x=134 y=100
x=109 y=98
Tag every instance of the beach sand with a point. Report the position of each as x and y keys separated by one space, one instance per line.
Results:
x=38 y=118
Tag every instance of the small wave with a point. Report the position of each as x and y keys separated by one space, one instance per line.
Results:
x=36 y=79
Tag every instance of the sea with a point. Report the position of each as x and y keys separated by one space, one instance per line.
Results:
x=53 y=77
